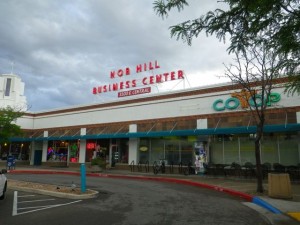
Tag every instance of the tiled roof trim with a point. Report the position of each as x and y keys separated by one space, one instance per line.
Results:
x=202 y=116
x=148 y=99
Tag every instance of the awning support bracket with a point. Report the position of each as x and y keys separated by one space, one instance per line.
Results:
x=118 y=131
x=217 y=124
x=151 y=128
x=173 y=127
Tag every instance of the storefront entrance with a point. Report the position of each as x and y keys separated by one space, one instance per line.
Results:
x=117 y=149
x=38 y=157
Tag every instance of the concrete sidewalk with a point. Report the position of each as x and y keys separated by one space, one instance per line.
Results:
x=278 y=211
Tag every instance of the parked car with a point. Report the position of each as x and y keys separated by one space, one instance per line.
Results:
x=3 y=183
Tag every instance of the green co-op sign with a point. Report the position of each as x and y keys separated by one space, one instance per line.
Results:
x=244 y=101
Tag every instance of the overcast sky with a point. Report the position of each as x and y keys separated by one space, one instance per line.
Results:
x=61 y=49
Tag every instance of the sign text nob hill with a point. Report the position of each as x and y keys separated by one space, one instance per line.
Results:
x=137 y=82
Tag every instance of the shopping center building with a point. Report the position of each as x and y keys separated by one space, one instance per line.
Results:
x=172 y=126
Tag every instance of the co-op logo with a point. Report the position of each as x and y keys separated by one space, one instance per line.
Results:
x=245 y=100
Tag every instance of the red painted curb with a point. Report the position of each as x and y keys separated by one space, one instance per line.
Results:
x=242 y=195
x=43 y=172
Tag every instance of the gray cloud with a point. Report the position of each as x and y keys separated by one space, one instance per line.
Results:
x=61 y=49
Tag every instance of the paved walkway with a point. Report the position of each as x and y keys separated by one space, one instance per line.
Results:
x=279 y=211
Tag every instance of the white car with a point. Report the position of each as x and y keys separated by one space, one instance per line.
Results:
x=3 y=183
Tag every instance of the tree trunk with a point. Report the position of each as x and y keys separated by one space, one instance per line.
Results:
x=259 y=175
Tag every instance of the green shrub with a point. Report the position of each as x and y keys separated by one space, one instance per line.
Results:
x=99 y=162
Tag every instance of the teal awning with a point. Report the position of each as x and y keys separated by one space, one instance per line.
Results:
x=195 y=132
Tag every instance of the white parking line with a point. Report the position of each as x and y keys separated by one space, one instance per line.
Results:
x=40 y=200
x=32 y=207
x=49 y=207
x=25 y=196
x=15 y=204
x=35 y=208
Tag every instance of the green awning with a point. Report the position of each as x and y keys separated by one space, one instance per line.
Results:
x=196 y=132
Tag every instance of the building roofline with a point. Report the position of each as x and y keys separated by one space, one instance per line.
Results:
x=228 y=86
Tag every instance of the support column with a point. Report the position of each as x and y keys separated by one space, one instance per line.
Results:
x=298 y=117
x=133 y=145
x=45 y=147
x=82 y=147
x=31 y=154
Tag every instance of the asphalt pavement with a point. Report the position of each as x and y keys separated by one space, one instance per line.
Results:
x=278 y=210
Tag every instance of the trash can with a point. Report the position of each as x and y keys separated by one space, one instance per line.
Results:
x=279 y=185
x=11 y=163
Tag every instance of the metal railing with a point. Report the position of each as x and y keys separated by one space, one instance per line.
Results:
x=132 y=166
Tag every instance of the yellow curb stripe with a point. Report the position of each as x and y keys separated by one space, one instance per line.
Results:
x=295 y=215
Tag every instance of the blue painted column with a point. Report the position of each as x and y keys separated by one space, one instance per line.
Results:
x=83 y=177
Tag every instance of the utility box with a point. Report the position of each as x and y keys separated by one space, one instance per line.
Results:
x=11 y=163
x=279 y=185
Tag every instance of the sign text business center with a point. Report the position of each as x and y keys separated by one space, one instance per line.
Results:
x=147 y=80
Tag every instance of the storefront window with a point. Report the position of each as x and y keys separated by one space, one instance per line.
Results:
x=216 y=150
x=231 y=149
x=96 y=148
x=187 y=152
x=90 y=152
x=99 y=148
x=122 y=149
x=247 y=148
x=275 y=148
x=74 y=151
x=289 y=149
x=20 y=150
x=269 y=149
x=144 y=150
x=57 y=151
x=157 y=150
x=172 y=150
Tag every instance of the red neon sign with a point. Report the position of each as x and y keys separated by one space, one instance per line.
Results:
x=90 y=145
x=128 y=84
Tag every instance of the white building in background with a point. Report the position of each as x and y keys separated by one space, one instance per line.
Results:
x=12 y=92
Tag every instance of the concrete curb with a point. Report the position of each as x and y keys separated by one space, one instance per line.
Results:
x=266 y=205
x=94 y=194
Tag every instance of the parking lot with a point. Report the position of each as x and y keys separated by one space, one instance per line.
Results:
x=126 y=202
x=19 y=207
